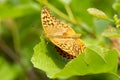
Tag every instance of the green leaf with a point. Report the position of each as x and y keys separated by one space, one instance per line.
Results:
x=111 y=33
x=93 y=60
x=97 y=13
x=47 y=59
x=18 y=10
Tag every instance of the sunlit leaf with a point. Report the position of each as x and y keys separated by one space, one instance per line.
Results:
x=47 y=59
x=93 y=60
x=97 y=13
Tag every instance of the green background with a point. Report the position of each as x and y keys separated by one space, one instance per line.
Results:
x=26 y=55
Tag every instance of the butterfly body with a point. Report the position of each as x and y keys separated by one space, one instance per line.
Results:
x=60 y=34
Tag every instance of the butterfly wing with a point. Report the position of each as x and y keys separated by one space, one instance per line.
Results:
x=53 y=26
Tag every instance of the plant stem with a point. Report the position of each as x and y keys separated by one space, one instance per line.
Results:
x=0 y=27
x=58 y=12
x=111 y=20
x=16 y=39
x=70 y=13
x=15 y=33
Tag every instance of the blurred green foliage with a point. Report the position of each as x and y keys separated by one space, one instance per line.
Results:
x=20 y=29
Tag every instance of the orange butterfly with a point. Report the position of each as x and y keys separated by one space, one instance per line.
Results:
x=61 y=35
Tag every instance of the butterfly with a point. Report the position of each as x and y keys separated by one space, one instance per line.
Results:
x=65 y=39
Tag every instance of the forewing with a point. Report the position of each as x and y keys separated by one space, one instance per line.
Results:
x=54 y=27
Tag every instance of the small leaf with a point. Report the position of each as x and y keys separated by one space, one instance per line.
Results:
x=117 y=21
x=93 y=60
x=97 y=13
x=111 y=33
